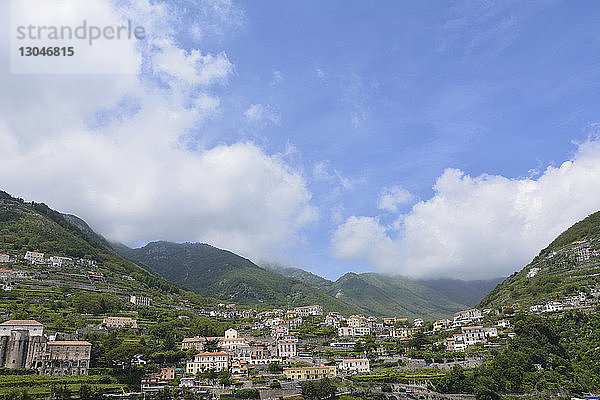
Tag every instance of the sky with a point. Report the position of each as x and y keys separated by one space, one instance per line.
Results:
x=419 y=138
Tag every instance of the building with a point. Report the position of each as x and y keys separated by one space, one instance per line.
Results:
x=33 y=327
x=21 y=342
x=305 y=311
x=353 y=331
x=152 y=384
x=205 y=361
x=553 y=306
x=357 y=321
x=310 y=373
x=473 y=334
x=403 y=332
x=360 y=365
x=286 y=348
x=57 y=261
x=196 y=343
x=4 y=258
x=441 y=324
x=467 y=317
x=231 y=334
x=120 y=322
x=140 y=301
x=503 y=323
x=34 y=258
x=65 y=358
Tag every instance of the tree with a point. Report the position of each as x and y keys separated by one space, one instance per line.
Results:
x=18 y=394
x=61 y=392
x=212 y=345
x=88 y=392
x=274 y=367
x=315 y=390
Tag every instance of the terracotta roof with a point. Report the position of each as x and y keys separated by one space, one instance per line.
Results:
x=20 y=322
x=69 y=343
x=219 y=353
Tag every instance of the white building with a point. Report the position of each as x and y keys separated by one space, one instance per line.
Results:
x=57 y=261
x=305 y=311
x=553 y=306
x=35 y=328
x=533 y=272
x=466 y=317
x=360 y=365
x=473 y=334
x=204 y=361
x=34 y=258
x=286 y=348
x=4 y=258
x=231 y=334
x=353 y=331
x=140 y=301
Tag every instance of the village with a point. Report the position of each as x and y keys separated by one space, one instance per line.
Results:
x=269 y=351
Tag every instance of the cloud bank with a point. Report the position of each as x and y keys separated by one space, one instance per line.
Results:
x=476 y=227
x=119 y=150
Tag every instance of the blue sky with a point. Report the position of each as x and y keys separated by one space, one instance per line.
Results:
x=392 y=93
x=421 y=138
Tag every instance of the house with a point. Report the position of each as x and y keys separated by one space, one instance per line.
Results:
x=119 y=322
x=553 y=306
x=305 y=311
x=286 y=348
x=466 y=317
x=403 y=332
x=65 y=358
x=140 y=301
x=58 y=261
x=34 y=258
x=357 y=321
x=152 y=384
x=441 y=324
x=310 y=373
x=360 y=365
x=217 y=361
x=231 y=334
x=352 y=331
x=418 y=322
x=473 y=334
x=167 y=374
x=5 y=258
x=503 y=323
x=389 y=321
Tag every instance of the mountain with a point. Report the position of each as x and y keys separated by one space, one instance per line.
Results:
x=569 y=265
x=32 y=226
x=222 y=274
x=378 y=294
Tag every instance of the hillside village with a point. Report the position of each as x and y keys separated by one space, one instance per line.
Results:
x=267 y=353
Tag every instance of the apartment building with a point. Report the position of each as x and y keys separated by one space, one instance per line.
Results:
x=310 y=373
x=360 y=365
x=217 y=361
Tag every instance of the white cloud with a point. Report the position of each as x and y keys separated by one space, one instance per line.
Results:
x=390 y=199
x=277 y=79
x=68 y=140
x=478 y=227
x=260 y=114
x=322 y=172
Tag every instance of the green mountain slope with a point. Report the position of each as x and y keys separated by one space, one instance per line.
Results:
x=378 y=294
x=222 y=274
x=31 y=226
x=570 y=264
